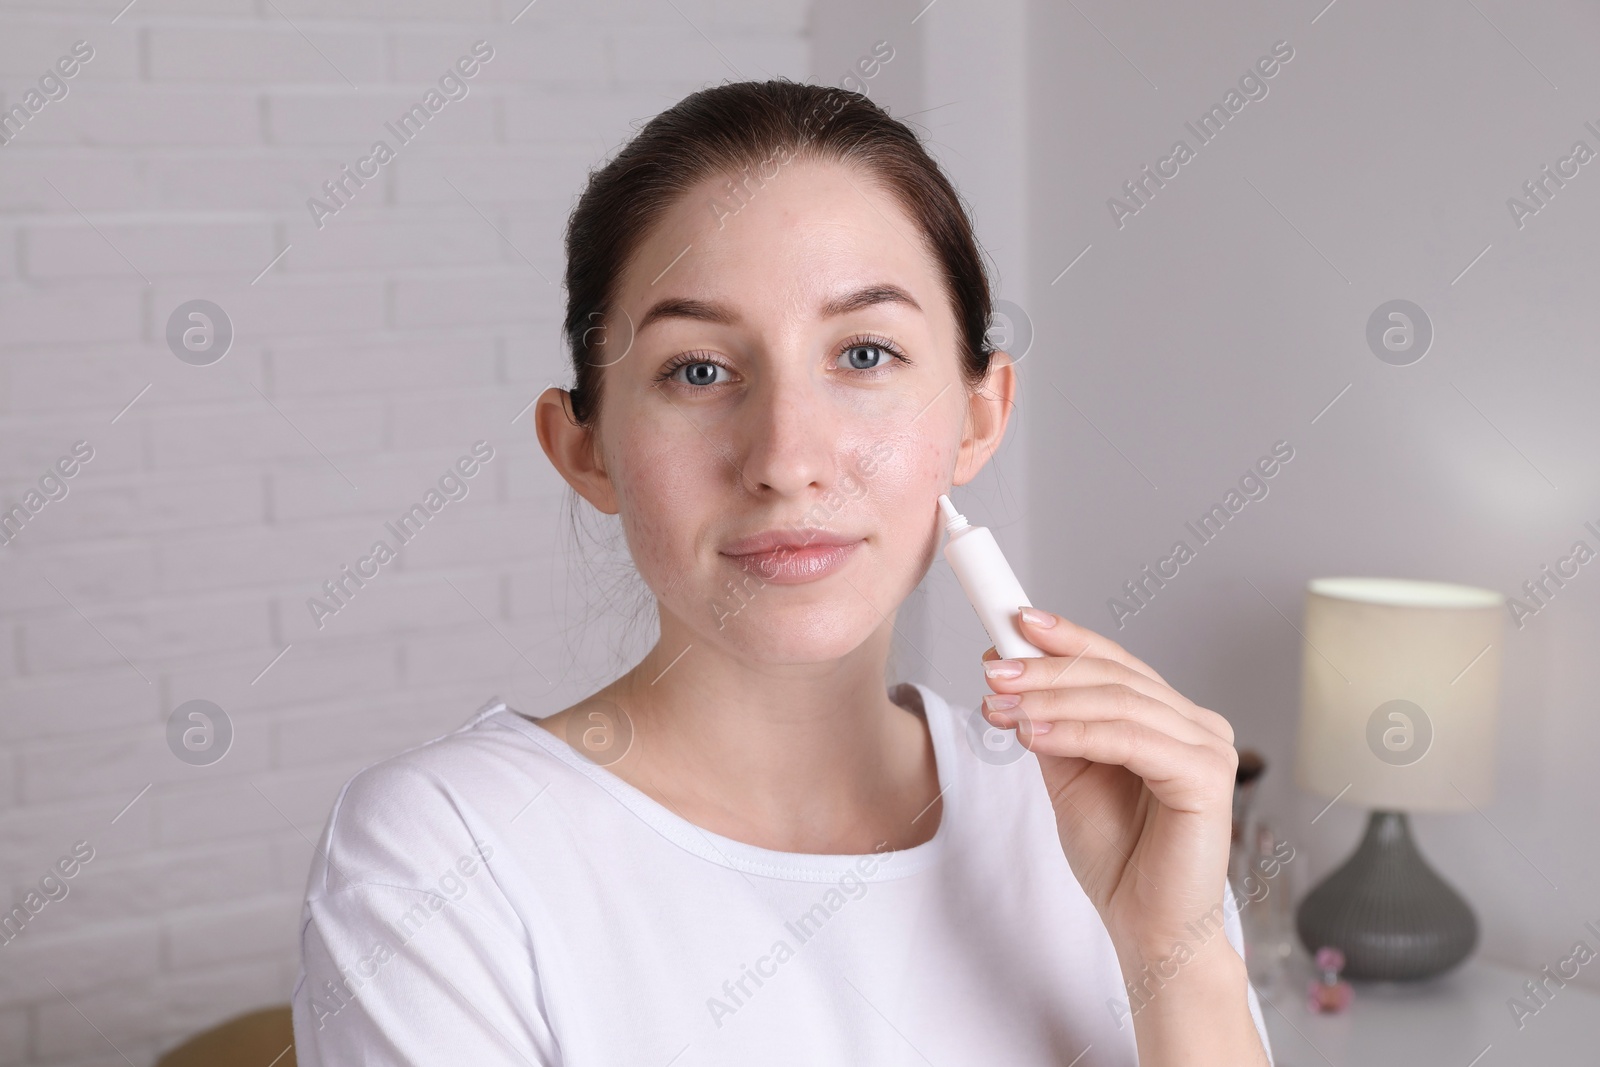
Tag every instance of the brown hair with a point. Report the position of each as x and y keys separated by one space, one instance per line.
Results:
x=730 y=129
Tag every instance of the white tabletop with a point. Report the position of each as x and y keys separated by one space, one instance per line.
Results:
x=1460 y=1019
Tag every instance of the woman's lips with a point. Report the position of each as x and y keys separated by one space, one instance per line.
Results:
x=793 y=564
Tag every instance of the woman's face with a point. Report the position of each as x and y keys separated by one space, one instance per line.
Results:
x=789 y=406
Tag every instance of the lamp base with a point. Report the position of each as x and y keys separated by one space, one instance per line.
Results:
x=1390 y=914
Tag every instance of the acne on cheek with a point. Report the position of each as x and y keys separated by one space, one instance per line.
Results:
x=901 y=476
x=645 y=533
x=905 y=463
x=653 y=486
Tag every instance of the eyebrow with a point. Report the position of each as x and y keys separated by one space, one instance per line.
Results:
x=722 y=314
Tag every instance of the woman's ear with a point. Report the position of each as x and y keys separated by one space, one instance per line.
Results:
x=988 y=412
x=573 y=449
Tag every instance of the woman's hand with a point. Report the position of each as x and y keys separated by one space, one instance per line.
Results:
x=1142 y=784
x=1140 y=777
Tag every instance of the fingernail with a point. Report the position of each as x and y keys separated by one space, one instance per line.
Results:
x=1035 y=727
x=1003 y=668
x=1037 y=617
x=1001 y=701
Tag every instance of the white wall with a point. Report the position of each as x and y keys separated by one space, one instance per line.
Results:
x=1231 y=310
x=375 y=352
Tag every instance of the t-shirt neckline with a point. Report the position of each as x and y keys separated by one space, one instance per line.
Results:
x=753 y=859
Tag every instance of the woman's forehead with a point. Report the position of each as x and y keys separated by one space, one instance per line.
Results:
x=803 y=241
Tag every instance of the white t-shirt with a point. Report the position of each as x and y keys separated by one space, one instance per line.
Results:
x=493 y=898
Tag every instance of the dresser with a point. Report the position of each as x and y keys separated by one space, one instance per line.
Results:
x=1460 y=1019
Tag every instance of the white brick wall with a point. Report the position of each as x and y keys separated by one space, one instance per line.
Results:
x=375 y=352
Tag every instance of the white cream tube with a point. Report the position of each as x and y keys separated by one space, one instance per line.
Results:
x=988 y=581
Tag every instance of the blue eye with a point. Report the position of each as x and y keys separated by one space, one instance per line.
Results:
x=698 y=373
x=864 y=356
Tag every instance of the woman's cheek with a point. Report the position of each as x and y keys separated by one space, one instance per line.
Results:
x=902 y=475
x=659 y=494
x=906 y=464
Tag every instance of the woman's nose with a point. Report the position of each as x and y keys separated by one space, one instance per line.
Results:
x=788 y=435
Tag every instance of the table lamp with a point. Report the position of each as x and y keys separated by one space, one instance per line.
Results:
x=1399 y=693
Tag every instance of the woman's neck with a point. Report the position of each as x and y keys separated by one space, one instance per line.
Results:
x=794 y=757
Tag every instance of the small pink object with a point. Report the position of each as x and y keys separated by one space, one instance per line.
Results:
x=1329 y=993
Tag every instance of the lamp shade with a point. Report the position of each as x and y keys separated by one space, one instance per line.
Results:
x=1399 y=692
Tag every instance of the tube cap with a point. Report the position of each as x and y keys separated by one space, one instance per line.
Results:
x=953 y=519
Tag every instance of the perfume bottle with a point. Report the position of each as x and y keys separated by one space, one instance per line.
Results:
x=1328 y=992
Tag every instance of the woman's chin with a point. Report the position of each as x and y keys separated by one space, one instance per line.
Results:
x=797 y=635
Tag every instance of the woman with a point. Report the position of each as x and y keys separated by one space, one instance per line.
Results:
x=745 y=850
